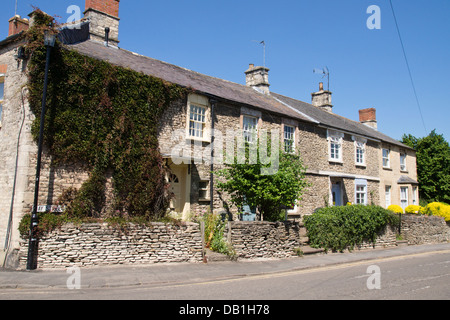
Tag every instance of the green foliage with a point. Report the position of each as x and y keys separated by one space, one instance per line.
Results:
x=105 y=117
x=343 y=227
x=433 y=166
x=215 y=234
x=270 y=193
x=47 y=222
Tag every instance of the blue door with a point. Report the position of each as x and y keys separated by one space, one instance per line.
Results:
x=336 y=192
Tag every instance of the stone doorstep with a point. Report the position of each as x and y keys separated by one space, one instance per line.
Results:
x=215 y=256
x=307 y=250
x=402 y=243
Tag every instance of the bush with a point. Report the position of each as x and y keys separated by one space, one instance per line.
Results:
x=414 y=209
x=339 y=228
x=395 y=208
x=215 y=234
x=439 y=209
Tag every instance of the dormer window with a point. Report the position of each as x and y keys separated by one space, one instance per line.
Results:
x=198 y=117
x=197 y=121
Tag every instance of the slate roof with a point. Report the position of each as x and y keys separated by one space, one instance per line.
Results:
x=338 y=122
x=215 y=87
x=406 y=180
x=226 y=90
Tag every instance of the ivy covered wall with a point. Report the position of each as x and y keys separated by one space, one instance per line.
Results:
x=106 y=118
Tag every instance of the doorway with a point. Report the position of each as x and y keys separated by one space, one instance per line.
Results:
x=336 y=192
x=179 y=187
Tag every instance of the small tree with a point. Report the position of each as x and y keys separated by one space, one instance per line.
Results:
x=249 y=184
x=433 y=166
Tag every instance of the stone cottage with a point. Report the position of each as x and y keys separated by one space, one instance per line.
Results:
x=347 y=161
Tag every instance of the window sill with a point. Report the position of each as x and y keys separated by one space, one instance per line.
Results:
x=198 y=139
x=361 y=165
x=335 y=161
x=387 y=168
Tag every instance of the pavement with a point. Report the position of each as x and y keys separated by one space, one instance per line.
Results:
x=154 y=274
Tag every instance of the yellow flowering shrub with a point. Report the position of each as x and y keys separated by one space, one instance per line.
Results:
x=413 y=209
x=439 y=209
x=395 y=208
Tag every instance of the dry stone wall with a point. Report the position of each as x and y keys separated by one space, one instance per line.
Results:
x=264 y=239
x=420 y=229
x=101 y=244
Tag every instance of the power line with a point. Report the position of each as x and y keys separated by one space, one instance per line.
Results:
x=409 y=69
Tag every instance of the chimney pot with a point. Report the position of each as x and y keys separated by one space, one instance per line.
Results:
x=321 y=86
x=17 y=25
x=368 y=117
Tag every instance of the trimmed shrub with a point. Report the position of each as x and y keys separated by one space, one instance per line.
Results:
x=339 y=228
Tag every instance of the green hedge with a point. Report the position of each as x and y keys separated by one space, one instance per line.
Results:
x=339 y=228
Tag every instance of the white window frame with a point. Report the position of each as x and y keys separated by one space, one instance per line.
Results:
x=403 y=162
x=388 y=195
x=360 y=151
x=361 y=191
x=414 y=196
x=386 y=158
x=404 y=197
x=249 y=128
x=289 y=138
x=198 y=118
x=335 y=146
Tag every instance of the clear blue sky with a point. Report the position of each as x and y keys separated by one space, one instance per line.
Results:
x=219 y=38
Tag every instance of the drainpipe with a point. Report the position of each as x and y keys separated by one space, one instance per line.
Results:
x=211 y=177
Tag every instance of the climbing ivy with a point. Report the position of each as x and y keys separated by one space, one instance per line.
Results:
x=105 y=117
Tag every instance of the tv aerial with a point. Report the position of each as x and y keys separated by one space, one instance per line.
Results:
x=326 y=73
x=263 y=43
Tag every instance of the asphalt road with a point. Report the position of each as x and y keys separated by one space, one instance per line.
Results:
x=420 y=276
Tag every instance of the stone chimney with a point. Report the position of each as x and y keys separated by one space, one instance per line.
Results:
x=258 y=78
x=322 y=99
x=17 y=25
x=103 y=16
x=368 y=117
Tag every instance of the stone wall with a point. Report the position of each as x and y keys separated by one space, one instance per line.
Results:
x=101 y=244
x=420 y=229
x=386 y=238
x=264 y=239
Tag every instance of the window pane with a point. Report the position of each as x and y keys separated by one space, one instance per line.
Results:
x=2 y=88
x=197 y=121
x=249 y=127
x=289 y=139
